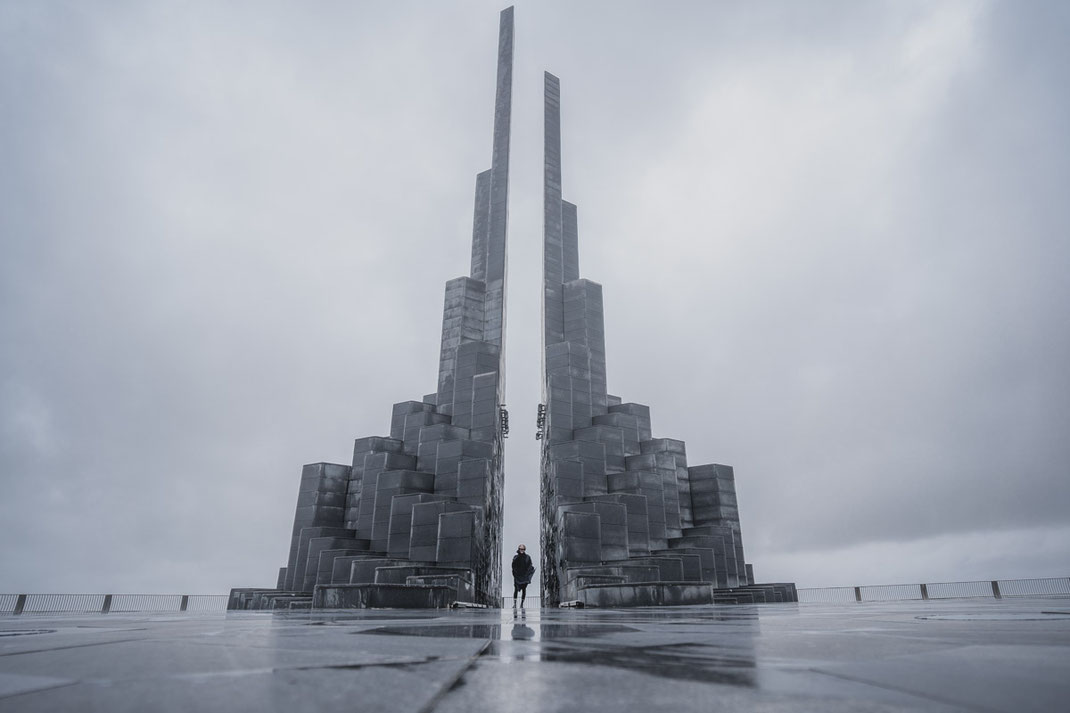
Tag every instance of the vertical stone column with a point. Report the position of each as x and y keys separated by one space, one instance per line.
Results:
x=553 y=274
x=494 y=320
x=481 y=227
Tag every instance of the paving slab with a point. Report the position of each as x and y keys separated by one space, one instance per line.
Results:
x=940 y=656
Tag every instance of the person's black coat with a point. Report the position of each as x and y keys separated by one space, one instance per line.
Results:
x=523 y=569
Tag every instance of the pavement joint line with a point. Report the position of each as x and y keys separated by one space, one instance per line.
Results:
x=72 y=646
x=907 y=691
x=374 y=664
x=39 y=690
x=452 y=682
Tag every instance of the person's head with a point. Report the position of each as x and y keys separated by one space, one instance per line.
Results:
x=521 y=549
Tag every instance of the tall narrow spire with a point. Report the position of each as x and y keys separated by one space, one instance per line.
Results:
x=552 y=270
x=560 y=233
x=492 y=195
x=499 y=165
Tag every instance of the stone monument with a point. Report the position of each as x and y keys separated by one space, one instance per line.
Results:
x=625 y=520
x=416 y=519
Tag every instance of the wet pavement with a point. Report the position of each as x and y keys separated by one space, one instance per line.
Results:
x=956 y=655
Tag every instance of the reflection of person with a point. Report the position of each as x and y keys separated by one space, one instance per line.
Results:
x=521 y=631
x=523 y=570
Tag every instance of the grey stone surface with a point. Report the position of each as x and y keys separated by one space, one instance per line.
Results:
x=937 y=656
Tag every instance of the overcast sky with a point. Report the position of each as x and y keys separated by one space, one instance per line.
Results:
x=834 y=241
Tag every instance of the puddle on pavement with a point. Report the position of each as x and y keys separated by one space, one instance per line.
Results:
x=684 y=661
x=367 y=615
x=1010 y=616
x=26 y=632
x=518 y=631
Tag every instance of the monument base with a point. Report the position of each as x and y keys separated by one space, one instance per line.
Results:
x=646 y=594
x=383 y=596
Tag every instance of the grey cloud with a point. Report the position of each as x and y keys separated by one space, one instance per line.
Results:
x=226 y=229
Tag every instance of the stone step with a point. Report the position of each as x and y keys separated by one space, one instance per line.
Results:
x=707 y=561
x=327 y=558
x=342 y=566
x=281 y=600
x=462 y=585
x=775 y=591
x=382 y=596
x=362 y=571
x=630 y=572
x=646 y=594
x=242 y=597
x=264 y=599
x=397 y=574
x=672 y=568
x=735 y=595
x=588 y=580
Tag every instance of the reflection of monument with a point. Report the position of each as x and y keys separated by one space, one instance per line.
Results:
x=416 y=519
x=625 y=520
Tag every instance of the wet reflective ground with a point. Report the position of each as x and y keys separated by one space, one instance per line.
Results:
x=962 y=655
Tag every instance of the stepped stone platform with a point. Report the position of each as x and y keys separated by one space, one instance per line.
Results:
x=978 y=656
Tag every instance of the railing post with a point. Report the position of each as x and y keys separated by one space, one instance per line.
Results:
x=995 y=590
x=107 y=604
x=858 y=594
x=185 y=602
x=20 y=603
x=924 y=592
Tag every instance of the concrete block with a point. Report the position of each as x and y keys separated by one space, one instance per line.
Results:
x=661 y=445
x=462 y=586
x=325 y=477
x=649 y=594
x=362 y=571
x=382 y=596
x=295 y=570
x=671 y=569
x=457 y=549
x=462 y=523
x=325 y=568
x=575 y=522
x=405 y=481
x=577 y=549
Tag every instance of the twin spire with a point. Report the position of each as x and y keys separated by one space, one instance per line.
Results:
x=416 y=519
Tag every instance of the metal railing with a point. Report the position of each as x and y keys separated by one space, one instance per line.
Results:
x=992 y=589
x=110 y=603
x=204 y=603
x=531 y=601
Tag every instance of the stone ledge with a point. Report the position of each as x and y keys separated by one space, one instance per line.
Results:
x=382 y=596
x=646 y=594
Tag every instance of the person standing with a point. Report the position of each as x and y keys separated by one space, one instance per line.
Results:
x=523 y=570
